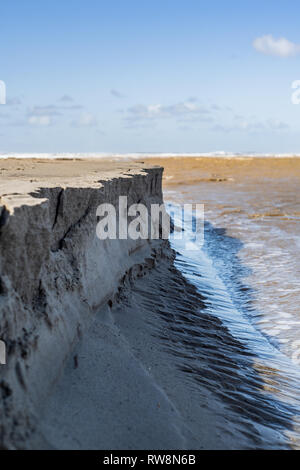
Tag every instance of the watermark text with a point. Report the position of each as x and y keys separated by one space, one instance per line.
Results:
x=139 y=221
x=2 y=92
x=2 y=353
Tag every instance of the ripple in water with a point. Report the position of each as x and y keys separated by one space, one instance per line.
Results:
x=221 y=348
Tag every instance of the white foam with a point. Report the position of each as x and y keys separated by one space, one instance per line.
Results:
x=125 y=156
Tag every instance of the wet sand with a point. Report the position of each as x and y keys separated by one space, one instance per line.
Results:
x=128 y=389
x=195 y=170
x=252 y=214
x=256 y=201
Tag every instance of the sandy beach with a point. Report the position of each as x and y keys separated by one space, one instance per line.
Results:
x=122 y=345
x=119 y=388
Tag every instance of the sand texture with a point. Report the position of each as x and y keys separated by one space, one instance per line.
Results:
x=55 y=273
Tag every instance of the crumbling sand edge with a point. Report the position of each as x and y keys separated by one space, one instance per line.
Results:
x=55 y=274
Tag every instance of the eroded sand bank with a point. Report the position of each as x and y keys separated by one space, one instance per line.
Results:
x=55 y=273
x=84 y=368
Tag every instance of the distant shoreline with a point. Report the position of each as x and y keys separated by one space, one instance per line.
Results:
x=134 y=156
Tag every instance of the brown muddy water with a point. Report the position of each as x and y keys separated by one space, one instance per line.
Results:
x=248 y=274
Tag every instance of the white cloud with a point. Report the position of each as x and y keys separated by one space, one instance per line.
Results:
x=42 y=115
x=156 y=111
x=281 y=47
x=85 y=120
x=276 y=124
x=49 y=110
x=251 y=125
x=40 y=120
x=52 y=109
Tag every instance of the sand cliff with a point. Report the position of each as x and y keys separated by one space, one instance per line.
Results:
x=55 y=273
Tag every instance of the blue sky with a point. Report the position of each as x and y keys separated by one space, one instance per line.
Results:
x=149 y=76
